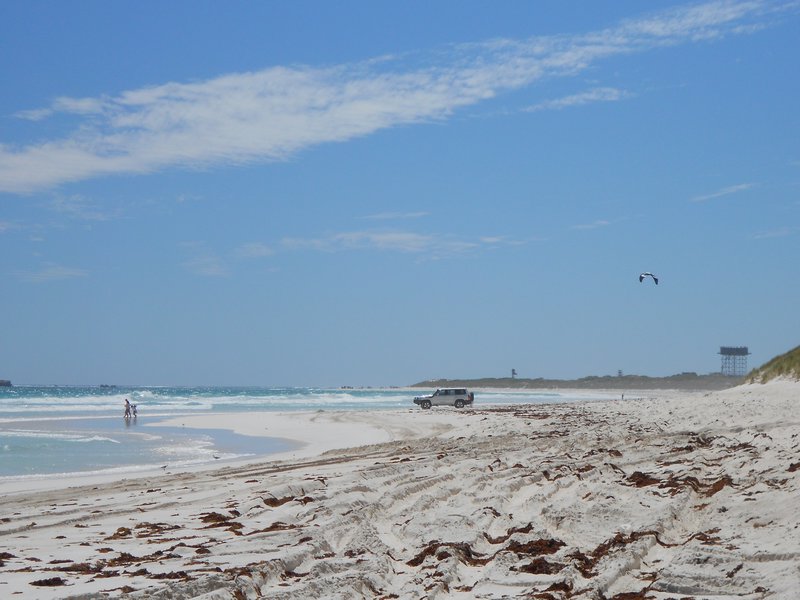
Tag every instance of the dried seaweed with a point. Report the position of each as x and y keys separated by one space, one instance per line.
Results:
x=465 y=554
x=120 y=533
x=587 y=563
x=49 y=582
x=274 y=502
x=276 y=526
x=733 y=571
x=444 y=550
x=215 y=519
x=172 y=575
x=640 y=595
x=509 y=532
x=541 y=566
x=535 y=547
x=144 y=530
x=639 y=479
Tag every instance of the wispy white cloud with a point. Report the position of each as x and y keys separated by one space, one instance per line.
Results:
x=733 y=189
x=185 y=198
x=79 y=106
x=207 y=265
x=493 y=239
x=34 y=114
x=594 y=225
x=53 y=272
x=391 y=216
x=202 y=261
x=435 y=246
x=776 y=233
x=253 y=250
x=272 y=114
x=603 y=94
x=79 y=207
x=395 y=240
x=432 y=246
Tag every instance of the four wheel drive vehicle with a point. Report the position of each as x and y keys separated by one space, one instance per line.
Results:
x=458 y=397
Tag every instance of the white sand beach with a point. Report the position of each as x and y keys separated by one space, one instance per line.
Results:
x=679 y=495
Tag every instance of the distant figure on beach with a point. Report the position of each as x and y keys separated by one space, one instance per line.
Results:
x=133 y=410
x=127 y=409
x=648 y=274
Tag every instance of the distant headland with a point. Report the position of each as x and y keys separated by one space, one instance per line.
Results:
x=5 y=383
x=682 y=381
x=784 y=366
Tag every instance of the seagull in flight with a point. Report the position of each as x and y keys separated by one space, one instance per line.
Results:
x=648 y=274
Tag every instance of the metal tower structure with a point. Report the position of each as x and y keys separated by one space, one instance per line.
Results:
x=734 y=360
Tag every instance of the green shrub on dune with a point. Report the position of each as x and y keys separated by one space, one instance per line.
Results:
x=785 y=366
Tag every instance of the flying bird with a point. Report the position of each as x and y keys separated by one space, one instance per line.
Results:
x=643 y=275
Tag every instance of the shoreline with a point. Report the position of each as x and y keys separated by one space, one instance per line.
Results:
x=684 y=494
x=307 y=432
x=230 y=436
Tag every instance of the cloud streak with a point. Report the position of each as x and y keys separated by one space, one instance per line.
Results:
x=83 y=209
x=201 y=261
x=733 y=189
x=53 y=272
x=390 y=216
x=253 y=250
x=775 y=233
x=438 y=246
x=605 y=94
x=272 y=114
x=595 y=225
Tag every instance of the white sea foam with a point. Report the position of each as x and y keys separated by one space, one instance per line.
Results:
x=122 y=470
x=104 y=408
x=52 y=435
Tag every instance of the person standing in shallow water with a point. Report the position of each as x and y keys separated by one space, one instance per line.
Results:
x=127 y=409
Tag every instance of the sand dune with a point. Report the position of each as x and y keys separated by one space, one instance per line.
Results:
x=676 y=496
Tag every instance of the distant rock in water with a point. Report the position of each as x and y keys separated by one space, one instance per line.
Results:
x=5 y=383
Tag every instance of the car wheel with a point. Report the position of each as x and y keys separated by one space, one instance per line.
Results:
x=459 y=404
x=426 y=404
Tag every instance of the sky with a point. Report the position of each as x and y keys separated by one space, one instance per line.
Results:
x=366 y=193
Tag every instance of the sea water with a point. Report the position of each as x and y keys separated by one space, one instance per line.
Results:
x=46 y=430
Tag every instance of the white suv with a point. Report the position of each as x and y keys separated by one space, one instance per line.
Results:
x=458 y=397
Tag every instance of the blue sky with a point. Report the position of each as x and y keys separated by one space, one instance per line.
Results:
x=376 y=193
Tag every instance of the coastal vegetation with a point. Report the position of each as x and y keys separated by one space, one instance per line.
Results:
x=681 y=381
x=785 y=366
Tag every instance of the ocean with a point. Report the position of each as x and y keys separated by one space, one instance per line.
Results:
x=47 y=430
